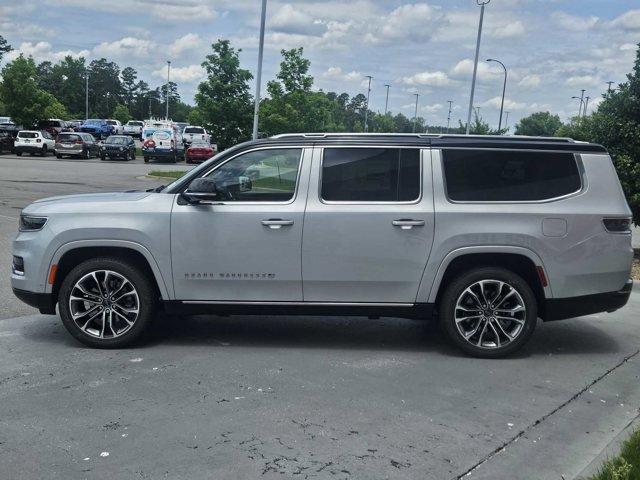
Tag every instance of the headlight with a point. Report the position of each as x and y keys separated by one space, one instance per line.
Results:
x=103 y=148
x=31 y=224
x=122 y=149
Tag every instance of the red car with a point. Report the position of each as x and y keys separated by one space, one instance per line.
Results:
x=198 y=152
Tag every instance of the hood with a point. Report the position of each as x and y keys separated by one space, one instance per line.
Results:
x=83 y=202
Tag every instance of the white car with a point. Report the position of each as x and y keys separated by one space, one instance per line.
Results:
x=33 y=141
x=133 y=128
x=194 y=132
x=116 y=126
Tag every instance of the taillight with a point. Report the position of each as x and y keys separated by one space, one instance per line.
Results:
x=38 y=140
x=617 y=225
x=78 y=142
x=149 y=143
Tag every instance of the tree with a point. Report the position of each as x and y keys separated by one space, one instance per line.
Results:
x=616 y=125
x=293 y=71
x=105 y=89
x=480 y=127
x=121 y=112
x=129 y=85
x=24 y=101
x=223 y=100
x=539 y=124
x=4 y=47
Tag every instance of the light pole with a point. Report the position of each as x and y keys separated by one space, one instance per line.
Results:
x=168 y=70
x=482 y=3
x=581 y=103
x=415 y=115
x=366 y=108
x=86 y=95
x=386 y=102
x=609 y=86
x=256 y=107
x=586 y=105
x=506 y=120
x=450 y=102
x=504 y=89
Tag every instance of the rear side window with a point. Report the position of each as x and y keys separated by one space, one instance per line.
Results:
x=28 y=135
x=68 y=137
x=371 y=174
x=509 y=176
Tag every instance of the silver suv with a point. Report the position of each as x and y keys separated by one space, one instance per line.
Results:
x=487 y=234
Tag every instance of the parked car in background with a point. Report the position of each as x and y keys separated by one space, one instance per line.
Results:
x=5 y=120
x=76 y=144
x=75 y=125
x=34 y=141
x=199 y=151
x=181 y=126
x=116 y=127
x=134 y=128
x=118 y=146
x=162 y=140
x=194 y=132
x=54 y=126
x=97 y=127
x=6 y=141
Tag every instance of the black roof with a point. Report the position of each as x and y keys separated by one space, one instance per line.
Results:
x=437 y=141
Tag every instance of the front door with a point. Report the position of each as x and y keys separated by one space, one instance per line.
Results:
x=245 y=248
x=368 y=227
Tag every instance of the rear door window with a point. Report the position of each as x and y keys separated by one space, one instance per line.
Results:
x=509 y=176
x=371 y=174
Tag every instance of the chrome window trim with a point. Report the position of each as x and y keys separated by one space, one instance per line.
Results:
x=274 y=147
x=576 y=157
x=249 y=302
x=361 y=202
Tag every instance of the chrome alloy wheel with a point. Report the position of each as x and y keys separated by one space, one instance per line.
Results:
x=490 y=314
x=104 y=304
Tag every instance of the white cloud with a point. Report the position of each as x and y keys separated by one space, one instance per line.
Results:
x=189 y=74
x=583 y=81
x=336 y=73
x=626 y=47
x=464 y=69
x=431 y=79
x=412 y=20
x=42 y=51
x=288 y=19
x=574 y=23
x=509 y=104
x=127 y=47
x=191 y=41
x=432 y=109
x=629 y=20
x=530 y=81
x=511 y=29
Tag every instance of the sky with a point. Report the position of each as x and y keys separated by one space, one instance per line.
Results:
x=552 y=48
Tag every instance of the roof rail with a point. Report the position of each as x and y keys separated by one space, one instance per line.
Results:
x=507 y=138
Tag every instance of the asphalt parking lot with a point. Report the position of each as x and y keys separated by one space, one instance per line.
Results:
x=288 y=397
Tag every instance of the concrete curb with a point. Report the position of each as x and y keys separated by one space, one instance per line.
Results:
x=611 y=450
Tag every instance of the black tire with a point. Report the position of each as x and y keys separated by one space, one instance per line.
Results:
x=102 y=157
x=133 y=156
x=43 y=153
x=19 y=154
x=86 y=154
x=455 y=289
x=146 y=159
x=58 y=156
x=147 y=296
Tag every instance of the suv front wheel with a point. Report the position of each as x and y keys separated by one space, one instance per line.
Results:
x=106 y=302
x=488 y=312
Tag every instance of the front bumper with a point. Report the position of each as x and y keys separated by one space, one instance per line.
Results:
x=562 y=308
x=44 y=302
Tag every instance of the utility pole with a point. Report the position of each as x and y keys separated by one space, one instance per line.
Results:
x=86 y=95
x=586 y=105
x=506 y=120
x=256 y=107
x=415 y=116
x=609 y=86
x=168 y=70
x=386 y=102
x=366 y=109
x=450 y=102
x=582 y=98
x=482 y=3
x=504 y=89
x=580 y=109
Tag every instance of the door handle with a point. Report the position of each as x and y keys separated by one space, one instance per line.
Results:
x=276 y=223
x=408 y=224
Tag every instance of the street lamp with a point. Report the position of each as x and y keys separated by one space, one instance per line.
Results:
x=586 y=105
x=386 y=102
x=415 y=115
x=366 y=109
x=450 y=102
x=506 y=120
x=504 y=88
x=581 y=103
x=609 y=86
x=256 y=106
x=482 y=3
x=86 y=95
x=168 y=70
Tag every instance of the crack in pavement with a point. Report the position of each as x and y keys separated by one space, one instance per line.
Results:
x=531 y=426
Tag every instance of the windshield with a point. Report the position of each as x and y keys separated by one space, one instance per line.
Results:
x=193 y=130
x=117 y=140
x=111 y=122
x=135 y=124
x=68 y=137
x=93 y=122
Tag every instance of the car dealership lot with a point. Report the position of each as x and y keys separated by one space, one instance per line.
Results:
x=308 y=397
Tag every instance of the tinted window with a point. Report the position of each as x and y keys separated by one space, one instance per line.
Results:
x=371 y=174
x=509 y=176
x=68 y=137
x=27 y=135
x=117 y=140
x=260 y=176
x=193 y=130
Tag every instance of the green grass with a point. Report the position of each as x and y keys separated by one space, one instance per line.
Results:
x=168 y=173
x=625 y=466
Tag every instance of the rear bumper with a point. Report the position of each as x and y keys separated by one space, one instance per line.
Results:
x=562 y=308
x=28 y=149
x=44 y=302
x=158 y=153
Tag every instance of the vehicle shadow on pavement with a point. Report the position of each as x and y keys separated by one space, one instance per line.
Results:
x=569 y=337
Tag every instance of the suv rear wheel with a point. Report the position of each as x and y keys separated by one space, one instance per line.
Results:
x=106 y=303
x=488 y=312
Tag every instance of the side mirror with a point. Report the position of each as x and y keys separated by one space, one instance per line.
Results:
x=202 y=190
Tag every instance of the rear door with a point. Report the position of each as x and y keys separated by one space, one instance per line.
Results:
x=368 y=226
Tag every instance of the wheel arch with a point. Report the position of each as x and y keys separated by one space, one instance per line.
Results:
x=520 y=260
x=73 y=253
